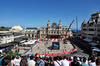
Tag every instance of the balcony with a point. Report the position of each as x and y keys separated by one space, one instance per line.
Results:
x=90 y=32
x=98 y=30
x=84 y=27
x=92 y=35
x=98 y=35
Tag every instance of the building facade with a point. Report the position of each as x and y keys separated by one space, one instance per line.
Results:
x=54 y=31
x=30 y=32
x=7 y=36
x=91 y=29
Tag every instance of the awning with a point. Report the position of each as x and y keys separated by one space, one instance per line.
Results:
x=30 y=42
x=5 y=45
x=95 y=49
x=93 y=44
x=88 y=40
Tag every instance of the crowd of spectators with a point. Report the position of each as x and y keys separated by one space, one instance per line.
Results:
x=41 y=60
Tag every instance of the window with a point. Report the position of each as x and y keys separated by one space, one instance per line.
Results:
x=51 y=31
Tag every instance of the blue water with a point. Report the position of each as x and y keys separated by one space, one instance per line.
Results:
x=76 y=31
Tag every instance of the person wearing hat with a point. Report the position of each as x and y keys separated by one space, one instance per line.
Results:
x=17 y=61
x=40 y=62
x=12 y=61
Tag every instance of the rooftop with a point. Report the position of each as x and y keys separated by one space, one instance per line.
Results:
x=95 y=13
x=31 y=28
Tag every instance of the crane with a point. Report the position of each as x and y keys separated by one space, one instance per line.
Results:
x=69 y=28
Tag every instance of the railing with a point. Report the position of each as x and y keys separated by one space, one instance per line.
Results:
x=12 y=37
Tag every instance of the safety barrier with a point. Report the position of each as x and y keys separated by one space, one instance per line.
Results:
x=73 y=50
x=53 y=39
x=60 y=53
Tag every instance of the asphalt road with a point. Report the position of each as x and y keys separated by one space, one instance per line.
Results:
x=82 y=51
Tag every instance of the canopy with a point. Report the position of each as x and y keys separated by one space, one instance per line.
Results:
x=93 y=44
x=96 y=49
x=88 y=40
x=30 y=42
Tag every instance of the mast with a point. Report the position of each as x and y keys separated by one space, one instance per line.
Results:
x=77 y=26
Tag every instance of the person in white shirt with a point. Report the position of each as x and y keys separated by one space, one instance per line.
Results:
x=12 y=61
x=56 y=62
x=17 y=61
x=92 y=63
x=65 y=62
x=31 y=62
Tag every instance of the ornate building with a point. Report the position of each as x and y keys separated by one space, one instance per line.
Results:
x=91 y=29
x=54 y=31
x=16 y=28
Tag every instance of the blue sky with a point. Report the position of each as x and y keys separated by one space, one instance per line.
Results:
x=35 y=13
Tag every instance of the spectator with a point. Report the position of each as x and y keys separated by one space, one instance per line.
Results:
x=48 y=63
x=17 y=61
x=1 y=60
x=6 y=61
x=31 y=62
x=78 y=60
x=65 y=62
x=89 y=60
x=23 y=62
x=75 y=63
x=60 y=59
x=40 y=62
x=12 y=61
x=28 y=58
x=92 y=63
x=70 y=60
x=84 y=62
x=57 y=62
x=98 y=61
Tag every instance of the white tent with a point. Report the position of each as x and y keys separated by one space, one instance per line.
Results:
x=22 y=41
x=30 y=42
